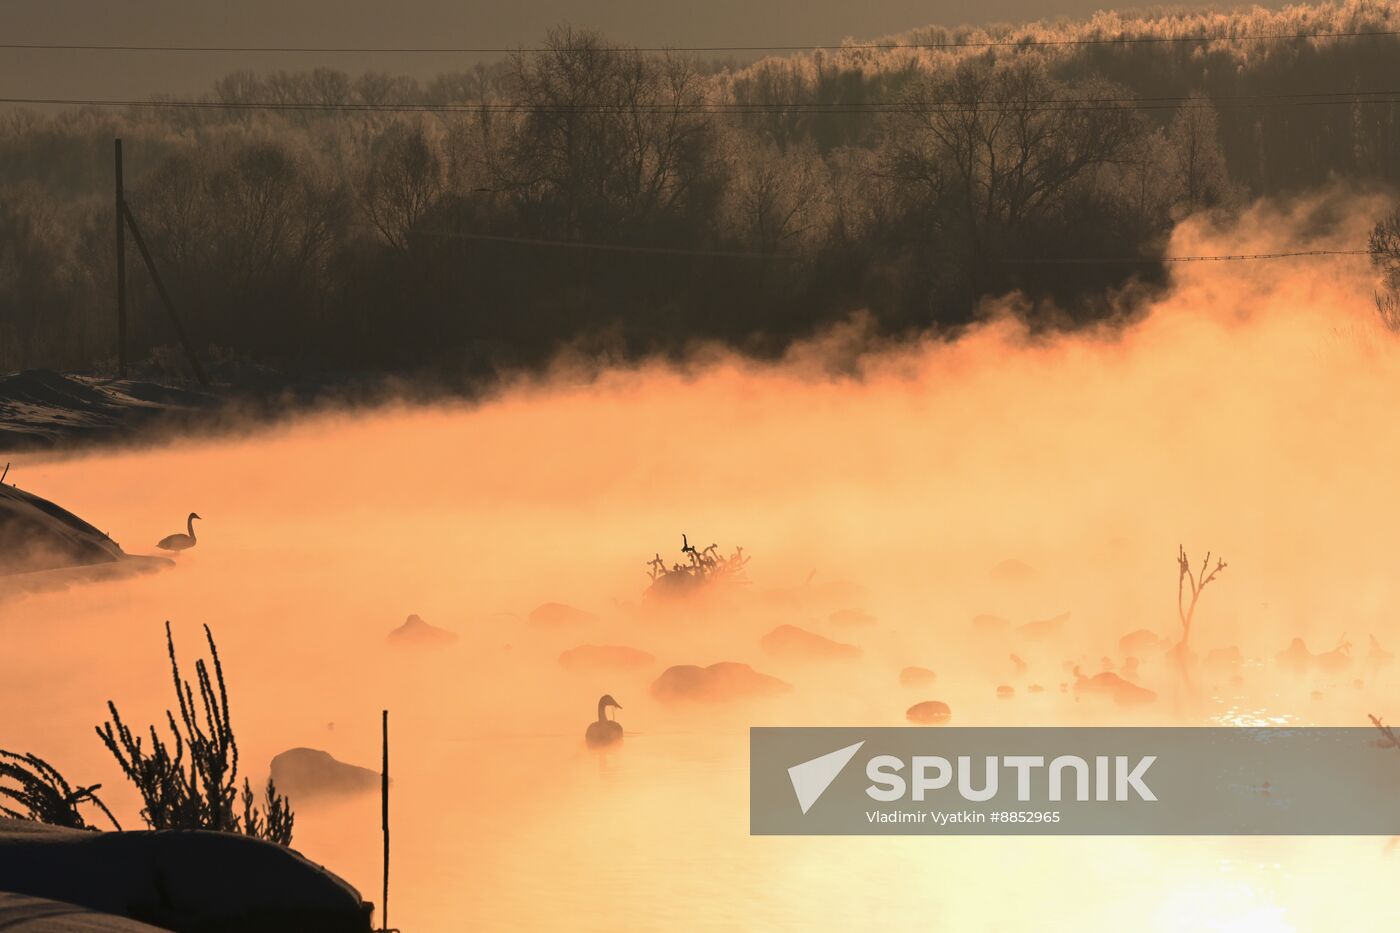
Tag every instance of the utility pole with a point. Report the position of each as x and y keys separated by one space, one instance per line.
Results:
x=125 y=219
x=121 y=266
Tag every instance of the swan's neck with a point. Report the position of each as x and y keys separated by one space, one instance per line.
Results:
x=189 y=524
x=602 y=712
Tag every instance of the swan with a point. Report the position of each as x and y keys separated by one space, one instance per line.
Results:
x=180 y=542
x=604 y=731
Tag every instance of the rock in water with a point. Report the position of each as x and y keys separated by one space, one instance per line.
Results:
x=301 y=773
x=989 y=624
x=851 y=617
x=179 y=880
x=1296 y=658
x=789 y=641
x=1043 y=628
x=559 y=614
x=1107 y=683
x=1140 y=642
x=929 y=713
x=1013 y=571
x=727 y=680
x=916 y=676
x=419 y=633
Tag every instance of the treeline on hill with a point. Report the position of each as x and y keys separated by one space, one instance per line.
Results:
x=768 y=199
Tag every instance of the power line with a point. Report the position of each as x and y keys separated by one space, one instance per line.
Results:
x=734 y=254
x=1148 y=260
x=605 y=247
x=1042 y=105
x=854 y=46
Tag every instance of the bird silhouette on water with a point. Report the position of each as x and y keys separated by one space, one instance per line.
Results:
x=180 y=542
x=604 y=731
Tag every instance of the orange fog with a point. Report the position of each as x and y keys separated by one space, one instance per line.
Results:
x=1248 y=412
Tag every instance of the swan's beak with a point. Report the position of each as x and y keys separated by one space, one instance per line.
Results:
x=617 y=705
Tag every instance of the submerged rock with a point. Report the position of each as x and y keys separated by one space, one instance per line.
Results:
x=791 y=642
x=850 y=618
x=605 y=658
x=560 y=614
x=916 y=676
x=1296 y=658
x=419 y=633
x=989 y=624
x=179 y=880
x=726 y=680
x=1140 y=642
x=1043 y=628
x=1013 y=571
x=1336 y=660
x=302 y=773
x=929 y=713
x=678 y=585
x=1109 y=684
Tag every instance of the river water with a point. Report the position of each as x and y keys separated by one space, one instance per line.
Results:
x=901 y=491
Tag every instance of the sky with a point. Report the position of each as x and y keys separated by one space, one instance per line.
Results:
x=416 y=23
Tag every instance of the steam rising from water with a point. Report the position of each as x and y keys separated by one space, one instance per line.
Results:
x=1247 y=412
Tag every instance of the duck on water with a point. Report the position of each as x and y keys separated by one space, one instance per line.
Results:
x=604 y=731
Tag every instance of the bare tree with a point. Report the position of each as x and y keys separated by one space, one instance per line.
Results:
x=243 y=233
x=776 y=198
x=403 y=181
x=997 y=145
x=1201 y=179
x=1196 y=582
x=610 y=139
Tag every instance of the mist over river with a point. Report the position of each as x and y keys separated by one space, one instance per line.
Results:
x=1247 y=412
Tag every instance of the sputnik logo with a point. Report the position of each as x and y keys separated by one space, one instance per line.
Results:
x=811 y=778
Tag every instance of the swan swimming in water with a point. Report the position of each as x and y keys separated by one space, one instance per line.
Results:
x=180 y=542
x=604 y=731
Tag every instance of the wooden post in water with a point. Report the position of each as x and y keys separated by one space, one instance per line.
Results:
x=121 y=265
x=384 y=798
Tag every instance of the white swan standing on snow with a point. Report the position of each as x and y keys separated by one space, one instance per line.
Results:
x=180 y=542
x=604 y=731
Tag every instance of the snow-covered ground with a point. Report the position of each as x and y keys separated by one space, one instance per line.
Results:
x=43 y=409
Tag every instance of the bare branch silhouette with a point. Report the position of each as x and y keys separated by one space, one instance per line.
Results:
x=1196 y=582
